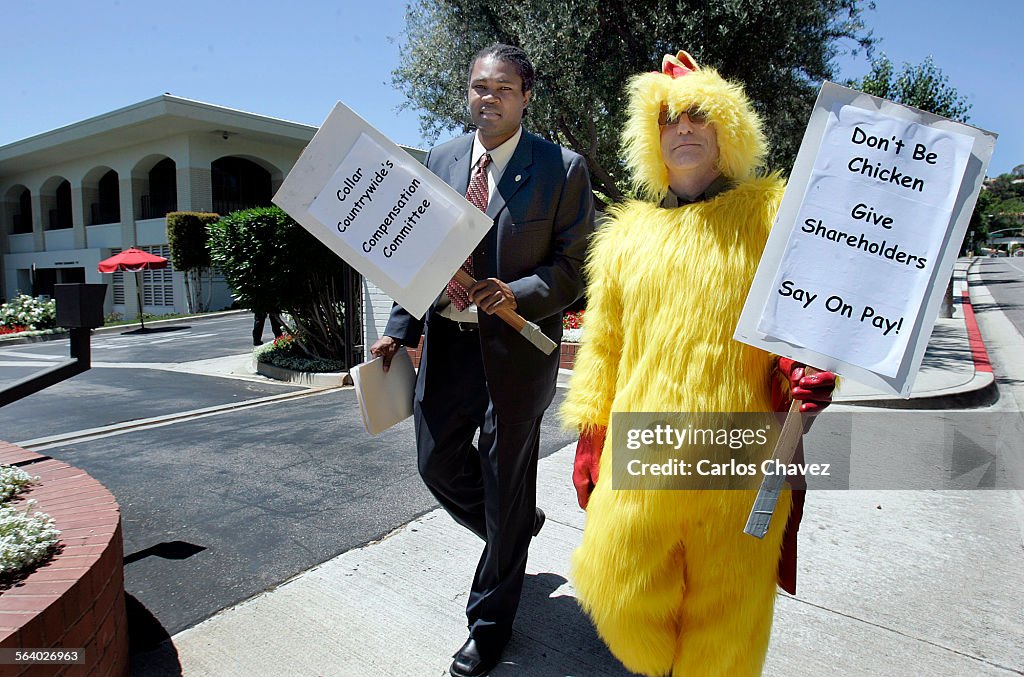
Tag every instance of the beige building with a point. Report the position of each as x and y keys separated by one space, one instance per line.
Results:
x=76 y=195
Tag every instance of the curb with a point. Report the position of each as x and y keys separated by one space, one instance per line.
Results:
x=308 y=378
x=981 y=391
x=122 y=328
x=40 y=444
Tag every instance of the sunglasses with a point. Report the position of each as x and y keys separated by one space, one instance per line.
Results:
x=695 y=115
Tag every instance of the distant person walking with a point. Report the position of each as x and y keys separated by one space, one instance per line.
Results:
x=260 y=322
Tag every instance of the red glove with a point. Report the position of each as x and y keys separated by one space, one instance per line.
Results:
x=815 y=391
x=585 y=467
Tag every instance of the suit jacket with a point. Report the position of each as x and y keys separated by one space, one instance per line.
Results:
x=543 y=214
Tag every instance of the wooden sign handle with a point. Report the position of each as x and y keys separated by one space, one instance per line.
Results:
x=511 y=317
x=771 y=486
x=792 y=429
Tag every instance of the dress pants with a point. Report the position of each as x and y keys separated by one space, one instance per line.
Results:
x=260 y=321
x=490 y=488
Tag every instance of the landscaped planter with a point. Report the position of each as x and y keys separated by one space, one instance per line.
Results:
x=75 y=600
x=308 y=378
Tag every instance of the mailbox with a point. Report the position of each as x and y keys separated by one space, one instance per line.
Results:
x=79 y=305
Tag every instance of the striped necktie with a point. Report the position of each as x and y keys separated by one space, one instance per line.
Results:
x=477 y=194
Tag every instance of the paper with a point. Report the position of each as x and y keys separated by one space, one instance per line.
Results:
x=870 y=229
x=865 y=240
x=384 y=399
x=383 y=209
x=380 y=210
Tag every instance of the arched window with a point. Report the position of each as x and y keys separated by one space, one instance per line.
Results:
x=239 y=184
x=60 y=217
x=163 y=191
x=21 y=220
x=107 y=208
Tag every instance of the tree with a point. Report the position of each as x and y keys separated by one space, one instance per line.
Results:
x=273 y=265
x=979 y=226
x=923 y=86
x=1000 y=207
x=187 y=236
x=927 y=88
x=584 y=51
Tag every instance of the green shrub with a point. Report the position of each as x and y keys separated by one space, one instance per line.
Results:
x=273 y=265
x=187 y=237
x=285 y=353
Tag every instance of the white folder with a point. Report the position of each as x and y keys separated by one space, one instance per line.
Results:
x=384 y=399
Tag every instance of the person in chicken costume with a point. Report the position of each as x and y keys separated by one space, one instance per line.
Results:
x=670 y=580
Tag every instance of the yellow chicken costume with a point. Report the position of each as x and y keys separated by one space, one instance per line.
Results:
x=670 y=580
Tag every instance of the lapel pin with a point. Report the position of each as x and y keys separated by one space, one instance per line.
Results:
x=518 y=176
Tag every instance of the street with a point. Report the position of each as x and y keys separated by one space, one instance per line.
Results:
x=217 y=507
x=129 y=379
x=271 y=480
x=1004 y=278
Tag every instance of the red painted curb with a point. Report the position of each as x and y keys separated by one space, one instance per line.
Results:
x=978 y=352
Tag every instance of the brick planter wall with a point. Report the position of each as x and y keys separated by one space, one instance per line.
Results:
x=76 y=600
x=416 y=353
x=568 y=357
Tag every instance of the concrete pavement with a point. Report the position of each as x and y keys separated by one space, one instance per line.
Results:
x=948 y=376
x=891 y=583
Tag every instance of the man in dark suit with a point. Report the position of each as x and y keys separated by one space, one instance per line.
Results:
x=476 y=373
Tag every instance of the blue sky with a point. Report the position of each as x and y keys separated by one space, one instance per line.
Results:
x=62 y=62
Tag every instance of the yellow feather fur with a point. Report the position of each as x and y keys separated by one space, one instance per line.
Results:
x=741 y=141
x=670 y=580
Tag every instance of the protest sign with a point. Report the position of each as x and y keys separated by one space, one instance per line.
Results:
x=380 y=210
x=866 y=237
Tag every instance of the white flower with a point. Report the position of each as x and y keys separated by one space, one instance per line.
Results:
x=25 y=537
x=572 y=335
x=13 y=481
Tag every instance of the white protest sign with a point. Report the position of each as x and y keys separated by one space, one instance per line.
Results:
x=381 y=211
x=862 y=249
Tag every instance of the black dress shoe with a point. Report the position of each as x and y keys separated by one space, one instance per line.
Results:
x=538 y=522
x=470 y=662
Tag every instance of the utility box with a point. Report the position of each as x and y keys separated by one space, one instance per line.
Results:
x=80 y=304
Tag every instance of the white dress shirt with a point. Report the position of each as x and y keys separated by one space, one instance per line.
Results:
x=500 y=157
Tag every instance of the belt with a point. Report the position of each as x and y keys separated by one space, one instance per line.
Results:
x=461 y=326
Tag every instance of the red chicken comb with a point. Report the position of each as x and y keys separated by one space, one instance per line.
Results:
x=679 y=65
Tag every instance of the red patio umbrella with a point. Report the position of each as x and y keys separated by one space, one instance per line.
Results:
x=133 y=261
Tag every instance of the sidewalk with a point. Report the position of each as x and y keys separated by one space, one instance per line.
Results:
x=948 y=376
x=891 y=583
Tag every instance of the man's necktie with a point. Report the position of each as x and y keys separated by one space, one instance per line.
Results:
x=477 y=194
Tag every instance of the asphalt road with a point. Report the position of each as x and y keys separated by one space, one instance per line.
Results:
x=127 y=381
x=1004 y=278
x=219 y=508
x=108 y=396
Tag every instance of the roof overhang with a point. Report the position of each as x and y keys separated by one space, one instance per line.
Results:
x=155 y=118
